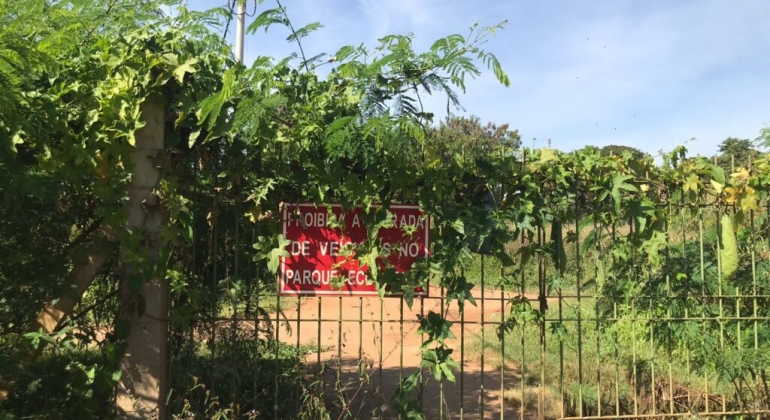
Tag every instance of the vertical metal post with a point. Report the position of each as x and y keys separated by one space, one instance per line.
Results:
x=669 y=327
x=683 y=228
x=239 y=29
x=401 y=334
x=754 y=291
x=276 y=360
x=299 y=324
x=634 y=376
x=382 y=340
x=704 y=296
x=541 y=327
x=339 y=338
x=422 y=339
x=598 y=249
x=523 y=405
x=258 y=352
x=441 y=398
x=502 y=345
x=318 y=334
x=483 y=341
x=462 y=357
x=615 y=330
x=360 y=329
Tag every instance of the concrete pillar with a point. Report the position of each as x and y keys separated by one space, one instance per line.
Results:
x=143 y=386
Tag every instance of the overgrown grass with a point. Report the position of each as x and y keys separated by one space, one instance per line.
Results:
x=607 y=368
x=268 y=303
x=238 y=375
x=59 y=385
x=489 y=270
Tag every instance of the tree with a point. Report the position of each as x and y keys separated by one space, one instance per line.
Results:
x=467 y=135
x=736 y=152
x=619 y=150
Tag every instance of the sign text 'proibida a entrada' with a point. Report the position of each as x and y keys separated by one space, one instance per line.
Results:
x=317 y=264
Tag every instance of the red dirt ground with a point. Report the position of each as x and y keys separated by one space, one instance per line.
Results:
x=391 y=350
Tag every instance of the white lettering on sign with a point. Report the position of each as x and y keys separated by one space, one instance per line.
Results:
x=313 y=220
x=324 y=277
x=406 y=250
x=411 y=220
x=322 y=257
x=410 y=250
x=330 y=248
x=356 y=278
x=300 y=248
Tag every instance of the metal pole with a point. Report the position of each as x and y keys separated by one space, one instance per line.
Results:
x=239 y=31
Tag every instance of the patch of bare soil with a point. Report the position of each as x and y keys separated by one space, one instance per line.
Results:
x=380 y=338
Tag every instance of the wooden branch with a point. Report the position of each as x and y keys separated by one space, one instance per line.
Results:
x=85 y=234
x=77 y=282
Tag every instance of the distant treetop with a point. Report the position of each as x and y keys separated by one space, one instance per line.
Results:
x=469 y=134
x=618 y=150
x=737 y=152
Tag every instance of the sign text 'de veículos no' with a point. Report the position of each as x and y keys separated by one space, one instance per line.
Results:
x=320 y=263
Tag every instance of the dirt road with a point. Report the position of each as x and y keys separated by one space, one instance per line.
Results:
x=383 y=334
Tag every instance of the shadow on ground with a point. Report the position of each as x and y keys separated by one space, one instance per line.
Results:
x=367 y=392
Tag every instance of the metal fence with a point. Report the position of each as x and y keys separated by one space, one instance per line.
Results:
x=598 y=338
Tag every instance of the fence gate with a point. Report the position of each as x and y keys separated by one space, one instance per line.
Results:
x=595 y=336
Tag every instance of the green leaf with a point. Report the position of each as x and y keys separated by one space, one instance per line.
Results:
x=186 y=67
x=505 y=259
x=274 y=257
x=447 y=370
x=718 y=174
x=497 y=69
x=193 y=137
x=459 y=226
x=600 y=273
x=344 y=52
x=436 y=328
x=558 y=330
x=717 y=186
x=211 y=107
x=691 y=183
x=274 y=101
x=557 y=240
x=619 y=183
x=338 y=124
x=265 y=19
x=304 y=31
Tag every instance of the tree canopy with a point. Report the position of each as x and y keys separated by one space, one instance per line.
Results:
x=735 y=152
x=458 y=135
x=619 y=150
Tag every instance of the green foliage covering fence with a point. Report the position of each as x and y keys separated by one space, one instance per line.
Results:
x=631 y=289
x=646 y=285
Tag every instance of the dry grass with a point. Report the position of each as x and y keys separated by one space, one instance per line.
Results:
x=528 y=399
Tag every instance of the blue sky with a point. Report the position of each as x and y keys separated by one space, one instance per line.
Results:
x=649 y=74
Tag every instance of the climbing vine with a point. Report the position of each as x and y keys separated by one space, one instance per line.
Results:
x=239 y=140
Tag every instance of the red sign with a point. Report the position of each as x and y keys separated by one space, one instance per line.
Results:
x=320 y=261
